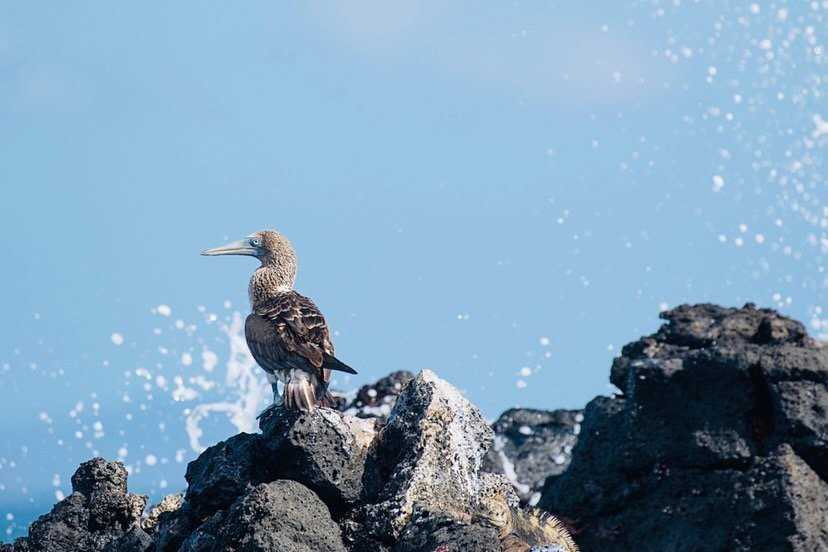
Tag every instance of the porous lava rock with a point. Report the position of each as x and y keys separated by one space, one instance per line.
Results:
x=223 y=472
x=282 y=516
x=716 y=441
x=97 y=513
x=324 y=450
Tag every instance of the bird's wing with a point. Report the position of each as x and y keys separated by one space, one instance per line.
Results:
x=289 y=324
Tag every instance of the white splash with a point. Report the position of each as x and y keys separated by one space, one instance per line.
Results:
x=247 y=387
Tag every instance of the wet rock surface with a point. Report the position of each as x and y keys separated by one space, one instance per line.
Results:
x=717 y=442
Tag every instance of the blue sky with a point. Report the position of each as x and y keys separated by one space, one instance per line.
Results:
x=506 y=194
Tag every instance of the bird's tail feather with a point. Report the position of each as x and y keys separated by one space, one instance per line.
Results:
x=333 y=363
x=300 y=395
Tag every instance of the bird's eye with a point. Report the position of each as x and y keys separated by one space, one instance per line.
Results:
x=255 y=242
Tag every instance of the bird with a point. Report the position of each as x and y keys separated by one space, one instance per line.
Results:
x=285 y=332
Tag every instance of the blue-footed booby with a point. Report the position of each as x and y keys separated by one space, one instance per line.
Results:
x=287 y=335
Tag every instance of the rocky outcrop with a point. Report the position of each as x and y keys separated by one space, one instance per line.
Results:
x=94 y=518
x=717 y=441
x=531 y=445
x=427 y=458
x=407 y=478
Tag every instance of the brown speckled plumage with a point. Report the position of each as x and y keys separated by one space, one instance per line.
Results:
x=286 y=332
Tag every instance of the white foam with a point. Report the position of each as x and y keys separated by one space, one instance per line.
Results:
x=246 y=385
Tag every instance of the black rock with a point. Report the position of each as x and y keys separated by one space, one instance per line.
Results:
x=709 y=446
x=99 y=512
x=135 y=540
x=173 y=528
x=99 y=476
x=223 y=472
x=282 y=515
x=792 y=386
x=376 y=400
x=445 y=534
x=357 y=538
x=205 y=538
x=531 y=445
x=323 y=450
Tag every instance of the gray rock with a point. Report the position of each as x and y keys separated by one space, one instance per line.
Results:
x=531 y=445
x=223 y=472
x=709 y=446
x=426 y=459
x=282 y=515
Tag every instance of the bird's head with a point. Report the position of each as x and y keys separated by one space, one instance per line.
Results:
x=269 y=246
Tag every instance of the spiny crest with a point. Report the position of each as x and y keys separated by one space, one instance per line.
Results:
x=520 y=530
x=537 y=531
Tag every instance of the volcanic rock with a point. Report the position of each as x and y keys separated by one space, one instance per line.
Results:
x=427 y=458
x=97 y=513
x=324 y=450
x=281 y=515
x=717 y=442
x=134 y=540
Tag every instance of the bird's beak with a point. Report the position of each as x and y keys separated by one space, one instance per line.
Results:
x=241 y=247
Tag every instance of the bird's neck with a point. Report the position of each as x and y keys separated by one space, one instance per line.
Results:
x=268 y=282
